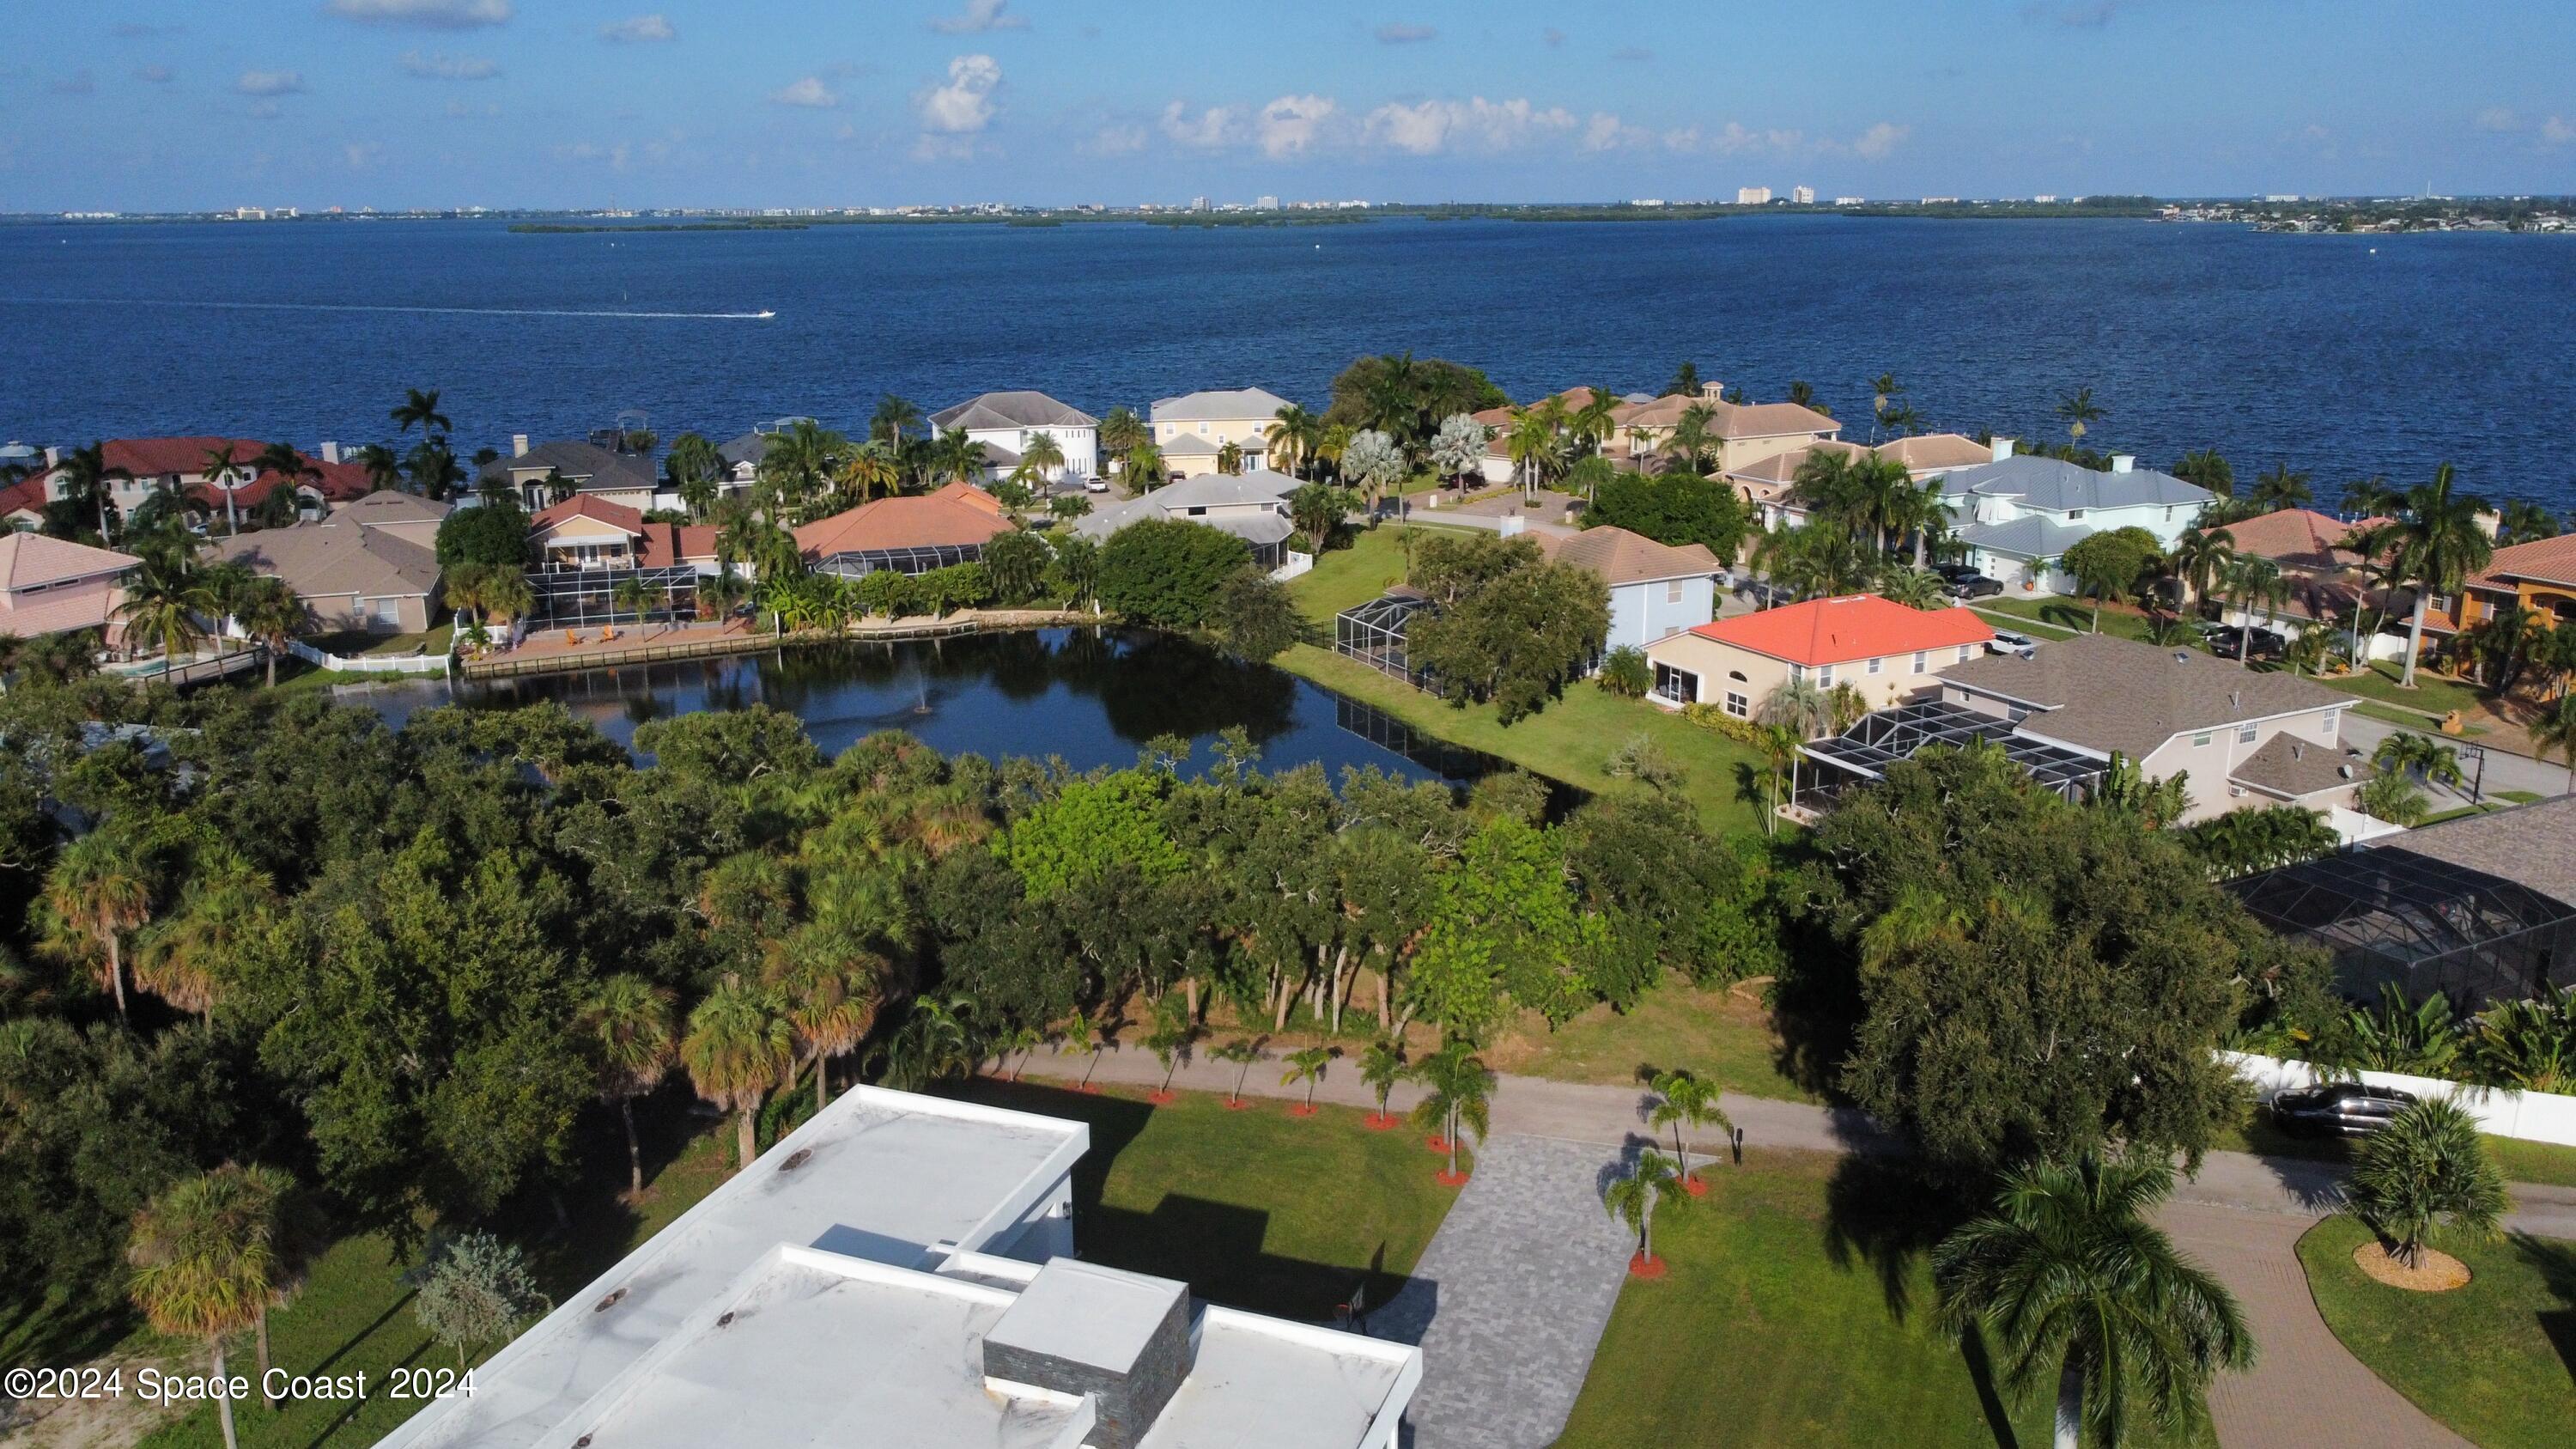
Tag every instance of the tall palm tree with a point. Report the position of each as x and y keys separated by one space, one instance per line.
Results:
x=1884 y=389
x=271 y=612
x=2208 y=469
x=207 y=1261
x=739 y=1048
x=956 y=457
x=1800 y=704
x=419 y=408
x=1683 y=1100
x=869 y=470
x=1536 y=447
x=796 y=466
x=1457 y=1096
x=1633 y=1198
x=894 y=417
x=221 y=467
x=1382 y=1065
x=162 y=604
x=2064 y=1272
x=1695 y=437
x=1145 y=470
x=224 y=907
x=833 y=986
x=2201 y=558
x=1293 y=434
x=2281 y=489
x=1590 y=425
x=633 y=1036
x=2438 y=545
x=99 y=889
x=1685 y=381
x=2523 y=521
x=1122 y=431
x=2079 y=412
x=1044 y=454
x=384 y=467
x=1779 y=746
x=2254 y=581
x=694 y=466
x=2372 y=497
x=87 y=478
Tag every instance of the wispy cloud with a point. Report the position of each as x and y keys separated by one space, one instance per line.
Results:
x=78 y=83
x=270 y=83
x=1426 y=128
x=1397 y=32
x=809 y=93
x=953 y=114
x=362 y=154
x=1117 y=139
x=1880 y=141
x=2498 y=118
x=639 y=30
x=2557 y=131
x=427 y=14
x=1210 y=129
x=449 y=67
x=980 y=16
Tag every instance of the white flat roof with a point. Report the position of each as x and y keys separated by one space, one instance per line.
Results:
x=1084 y=1313
x=879 y=1175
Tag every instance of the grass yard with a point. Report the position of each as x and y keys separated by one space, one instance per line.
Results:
x=1254 y=1209
x=1797 y=1312
x=2495 y=1360
x=1723 y=1035
x=2432 y=694
x=2074 y=616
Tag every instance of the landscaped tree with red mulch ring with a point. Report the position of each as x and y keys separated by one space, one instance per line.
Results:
x=1243 y=1052
x=1308 y=1066
x=1684 y=1100
x=1169 y=1041
x=1382 y=1066
x=1633 y=1199
x=1456 y=1097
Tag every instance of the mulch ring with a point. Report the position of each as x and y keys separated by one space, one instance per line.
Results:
x=2434 y=1271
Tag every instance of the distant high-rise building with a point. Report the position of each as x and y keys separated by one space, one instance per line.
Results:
x=1803 y=195
x=2044 y=198
x=1851 y=200
x=1199 y=203
x=1265 y=203
x=1753 y=196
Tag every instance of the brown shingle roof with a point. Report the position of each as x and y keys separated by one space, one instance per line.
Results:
x=2298 y=538
x=328 y=560
x=1936 y=450
x=1782 y=468
x=1621 y=557
x=32 y=560
x=2102 y=692
x=2291 y=767
x=2531 y=845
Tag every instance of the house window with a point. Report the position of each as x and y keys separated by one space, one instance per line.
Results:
x=2439 y=603
x=2329 y=721
x=1921 y=658
x=1876 y=664
x=1963 y=652
x=1197 y=512
x=1679 y=686
x=1825 y=677
x=2073 y=514
x=1673 y=592
x=2200 y=740
x=2244 y=734
x=1737 y=705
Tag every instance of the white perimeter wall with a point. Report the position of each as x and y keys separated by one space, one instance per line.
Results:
x=2532 y=1116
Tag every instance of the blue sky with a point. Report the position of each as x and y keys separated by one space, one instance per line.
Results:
x=143 y=104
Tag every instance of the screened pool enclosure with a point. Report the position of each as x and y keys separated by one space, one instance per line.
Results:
x=1374 y=634
x=2391 y=916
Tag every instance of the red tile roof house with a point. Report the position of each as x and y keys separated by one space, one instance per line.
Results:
x=2325 y=579
x=160 y=465
x=910 y=535
x=51 y=586
x=1885 y=650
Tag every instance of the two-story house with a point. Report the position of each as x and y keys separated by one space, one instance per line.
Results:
x=52 y=586
x=1745 y=433
x=1007 y=422
x=1252 y=506
x=2019 y=514
x=587 y=469
x=1193 y=429
x=1656 y=590
x=2539 y=575
x=138 y=468
x=1769 y=485
x=1888 y=652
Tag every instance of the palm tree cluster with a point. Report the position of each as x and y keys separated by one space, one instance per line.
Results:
x=1868 y=524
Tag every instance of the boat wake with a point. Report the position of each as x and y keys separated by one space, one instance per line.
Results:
x=761 y=316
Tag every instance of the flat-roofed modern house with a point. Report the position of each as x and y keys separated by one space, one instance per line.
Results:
x=2245 y=738
x=897 y=1274
x=53 y=586
x=1656 y=589
x=349 y=576
x=909 y=535
x=1006 y=422
x=1253 y=506
x=591 y=471
x=2018 y=514
x=1887 y=651
x=1193 y=429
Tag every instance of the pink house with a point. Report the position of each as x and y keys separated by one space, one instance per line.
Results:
x=51 y=585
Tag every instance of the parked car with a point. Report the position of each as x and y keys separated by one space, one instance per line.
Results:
x=1095 y=485
x=2339 y=1109
x=2259 y=643
x=1951 y=573
x=2008 y=642
x=1975 y=586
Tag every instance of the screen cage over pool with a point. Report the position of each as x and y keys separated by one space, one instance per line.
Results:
x=912 y=559
x=574 y=597
x=1374 y=634
x=2389 y=916
x=1862 y=754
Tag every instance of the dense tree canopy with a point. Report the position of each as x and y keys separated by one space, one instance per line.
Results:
x=1675 y=508
x=1168 y=573
x=1511 y=630
x=494 y=532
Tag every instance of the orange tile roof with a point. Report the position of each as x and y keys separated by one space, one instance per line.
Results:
x=1855 y=626
x=2300 y=536
x=959 y=514
x=2543 y=560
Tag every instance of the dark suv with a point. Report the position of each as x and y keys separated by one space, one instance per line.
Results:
x=2339 y=1109
x=1975 y=586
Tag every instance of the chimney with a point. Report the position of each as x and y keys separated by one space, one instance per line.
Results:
x=2123 y=463
x=1122 y=1339
x=2003 y=449
x=330 y=451
x=53 y=457
x=1713 y=391
x=518 y=445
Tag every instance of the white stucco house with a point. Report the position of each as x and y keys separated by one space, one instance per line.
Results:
x=2018 y=515
x=1006 y=422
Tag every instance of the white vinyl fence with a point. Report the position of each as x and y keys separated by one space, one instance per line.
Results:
x=369 y=663
x=2532 y=1116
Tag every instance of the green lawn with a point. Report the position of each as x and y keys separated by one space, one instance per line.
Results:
x=1254 y=1209
x=2075 y=616
x=2492 y=1359
x=1570 y=740
x=1724 y=1036
x=1797 y=1312
x=2431 y=695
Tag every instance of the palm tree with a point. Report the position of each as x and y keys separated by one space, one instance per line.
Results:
x=797 y=463
x=223 y=908
x=2427 y=1168
x=2201 y=558
x=1883 y=390
x=1457 y=1097
x=1381 y=1067
x=1145 y=470
x=2065 y=1272
x=2438 y=544
x=893 y=417
x=1681 y=1100
x=87 y=478
x=1292 y=435
x=1536 y=447
x=740 y=1045
x=1695 y=437
x=99 y=888
x=1170 y=1040
x=1590 y=425
x=384 y=467
x=870 y=468
x=1045 y=455
x=1307 y=1066
x=1912 y=587
x=2523 y=521
x=2556 y=730
x=1685 y=381
x=206 y=1261
x=271 y=612
x=2205 y=468
x=220 y=466
x=2417 y=755
x=694 y=466
x=1121 y=432
x=1799 y=704
x=631 y=1031
x=1633 y=1198
x=833 y=985
x=2281 y=489
x=1779 y=746
x=418 y=407
x=2372 y=497
x=632 y=595
x=2080 y=413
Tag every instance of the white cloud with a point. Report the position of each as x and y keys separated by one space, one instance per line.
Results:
x=2558 y=131
x=616 y=156
x=1880 y=141
x=449 y=67
x=978 y=17
x=270 y=83
x=964 y=105
x=642 y=29
x=809 y=93
x=427 y=14
x=1399 y=33
x=1429 y=127
x=2498 y=118
x=1289 y=125
x=1117 y=140
x=1214 y=127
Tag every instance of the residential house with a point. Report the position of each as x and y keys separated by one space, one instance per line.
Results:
x=1655 y=589
x=589 y=470
x=2017 y=515
x=742 y=455
x=909 y=535
x=1252 y=506
x=2243 y=738
x=1745 y=433
x=1006 y=422
x=1883 y=649
x=1193 y=429
x=53 y=586
x=2325 y=580
x=2539 y=575
x=406 y=516
x=142 y=467
x=1768 y=484
x=585 y=546
x=349 y=575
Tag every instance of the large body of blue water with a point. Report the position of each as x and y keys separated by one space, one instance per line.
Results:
x=2343 y=356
